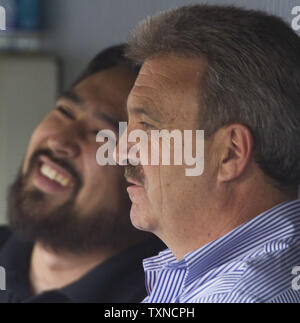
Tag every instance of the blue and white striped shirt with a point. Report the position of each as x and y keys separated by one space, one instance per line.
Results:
x=251 y=264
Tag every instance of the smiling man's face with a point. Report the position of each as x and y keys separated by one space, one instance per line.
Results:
x=62 y=193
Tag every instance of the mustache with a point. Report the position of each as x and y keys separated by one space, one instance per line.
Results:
x=135 y=173
x=61 y=162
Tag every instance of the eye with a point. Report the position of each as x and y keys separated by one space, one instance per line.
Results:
x=66 y=112
x=146 y=125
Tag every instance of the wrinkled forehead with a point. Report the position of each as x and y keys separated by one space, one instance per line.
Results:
x=167 y=82
x=176 y=69
x=170 y=73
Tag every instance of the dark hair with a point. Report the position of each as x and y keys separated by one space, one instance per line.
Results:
x=252 y=75
x=106 y=59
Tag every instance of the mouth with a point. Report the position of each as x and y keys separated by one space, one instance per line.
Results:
x=135 y=190
x=52 y=178
x=132 y=182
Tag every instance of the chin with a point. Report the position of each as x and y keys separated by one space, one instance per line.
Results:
x=142 y=220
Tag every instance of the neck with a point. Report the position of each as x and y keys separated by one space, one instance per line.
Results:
x=230 y=208
x=51 y=270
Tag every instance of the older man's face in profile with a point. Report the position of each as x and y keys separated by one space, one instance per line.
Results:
x=62 y=195
x=165 y=96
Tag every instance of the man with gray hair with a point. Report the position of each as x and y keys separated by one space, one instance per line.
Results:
x=234 y=232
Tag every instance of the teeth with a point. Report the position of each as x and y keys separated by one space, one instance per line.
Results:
x=54 y=176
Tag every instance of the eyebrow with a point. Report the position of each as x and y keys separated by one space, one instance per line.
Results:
x=143 y=111
x=104 y=117
x=72 y=96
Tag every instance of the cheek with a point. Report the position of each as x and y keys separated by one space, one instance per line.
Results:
x=154 y=188
x=101 y=184
x=39 y=139
x=106 y=178
x=34 y=144
x=175 y=188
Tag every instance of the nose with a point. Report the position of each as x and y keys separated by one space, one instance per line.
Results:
x=120 y=152
x=64 y=144
x=126 y=152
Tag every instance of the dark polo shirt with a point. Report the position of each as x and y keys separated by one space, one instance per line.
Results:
x=121 y=279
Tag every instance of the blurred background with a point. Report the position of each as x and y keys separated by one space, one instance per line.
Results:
x=48 y=42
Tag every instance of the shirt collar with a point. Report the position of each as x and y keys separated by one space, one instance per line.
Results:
x=280 y=222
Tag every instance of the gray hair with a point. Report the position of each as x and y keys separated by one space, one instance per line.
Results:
x=252 y=75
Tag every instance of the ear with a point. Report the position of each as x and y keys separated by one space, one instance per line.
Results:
x=236 y=152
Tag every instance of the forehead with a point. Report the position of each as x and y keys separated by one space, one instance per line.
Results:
x=168 y=86
x=106 y=91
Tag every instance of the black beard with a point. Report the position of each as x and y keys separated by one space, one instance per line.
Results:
x=65 y=229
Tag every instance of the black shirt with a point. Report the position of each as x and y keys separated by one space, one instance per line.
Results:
x=121 y=279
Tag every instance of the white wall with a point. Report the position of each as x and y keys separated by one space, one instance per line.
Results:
x=81 y=28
